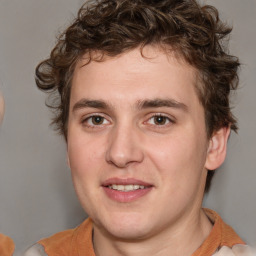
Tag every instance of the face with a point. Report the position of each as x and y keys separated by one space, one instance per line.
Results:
x=137 y=143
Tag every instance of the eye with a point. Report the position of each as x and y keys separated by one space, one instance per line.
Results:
x=95 y=120
x=159 y=120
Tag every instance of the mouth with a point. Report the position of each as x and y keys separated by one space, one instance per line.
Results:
x=126 y=190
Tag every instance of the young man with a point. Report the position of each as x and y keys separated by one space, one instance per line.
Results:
x=143 y=103
x=6 y=243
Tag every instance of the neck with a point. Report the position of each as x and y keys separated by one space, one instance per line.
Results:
x=178 y=240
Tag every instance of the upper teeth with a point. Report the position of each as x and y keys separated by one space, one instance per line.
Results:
x=126 y=187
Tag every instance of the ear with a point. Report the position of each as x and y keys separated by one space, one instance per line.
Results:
x=217 y=148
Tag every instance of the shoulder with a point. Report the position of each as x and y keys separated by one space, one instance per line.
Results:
x=6 y=245
x=222 y=234
x=58 y=243
x=62 y=243
x=236 y=250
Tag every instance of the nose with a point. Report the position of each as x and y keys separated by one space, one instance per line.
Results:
x=124 y=147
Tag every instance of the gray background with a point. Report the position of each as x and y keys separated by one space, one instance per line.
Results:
x=36 y=194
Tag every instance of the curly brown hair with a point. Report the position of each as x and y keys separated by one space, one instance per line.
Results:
x=111 y=27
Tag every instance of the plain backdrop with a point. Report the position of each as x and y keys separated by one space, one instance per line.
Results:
x=37 y=198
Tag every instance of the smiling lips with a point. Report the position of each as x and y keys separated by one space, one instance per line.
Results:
x=125 y=190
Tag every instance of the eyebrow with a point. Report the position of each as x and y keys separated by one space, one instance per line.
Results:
x=85 y=103
x=140 y=104
x=158 y=103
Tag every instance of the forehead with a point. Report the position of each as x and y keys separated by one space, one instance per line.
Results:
x=134 y=75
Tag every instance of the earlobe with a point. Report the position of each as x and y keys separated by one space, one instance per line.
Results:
x=217 y=148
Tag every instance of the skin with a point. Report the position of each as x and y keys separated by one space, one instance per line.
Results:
x=172 y=155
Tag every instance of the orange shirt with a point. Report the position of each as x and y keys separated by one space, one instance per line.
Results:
x=221 y=235
x=6 y=246
x=78 y=241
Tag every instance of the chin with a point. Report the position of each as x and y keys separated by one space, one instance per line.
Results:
x=130 y=233
x=127 y=226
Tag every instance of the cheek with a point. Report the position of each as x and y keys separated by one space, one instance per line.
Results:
x=180 y=165
x=85 y=164
x=84 y=154
x=178 y=158
x=170 y=151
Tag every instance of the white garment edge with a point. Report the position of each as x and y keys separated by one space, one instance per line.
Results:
x=35 y=250
x=236 y=250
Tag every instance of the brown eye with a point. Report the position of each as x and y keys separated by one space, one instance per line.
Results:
x=97 y=120
x=160 y=120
